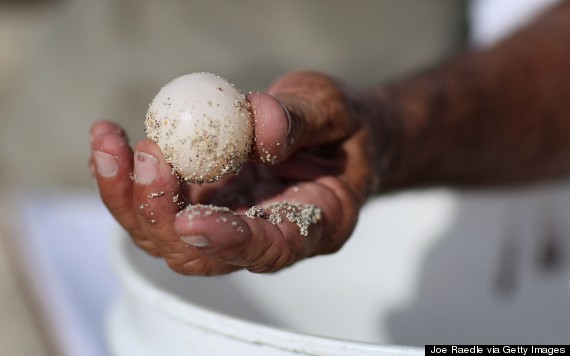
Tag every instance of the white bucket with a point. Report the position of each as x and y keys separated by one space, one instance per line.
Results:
x=161 y=313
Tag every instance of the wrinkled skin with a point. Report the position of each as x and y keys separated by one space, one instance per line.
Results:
x=323 y=157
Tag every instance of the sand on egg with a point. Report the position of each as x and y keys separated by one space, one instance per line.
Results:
x=203 y=125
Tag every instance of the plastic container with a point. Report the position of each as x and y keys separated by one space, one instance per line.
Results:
x=150 y=319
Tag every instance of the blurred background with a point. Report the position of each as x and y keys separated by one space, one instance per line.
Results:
x=67 y=63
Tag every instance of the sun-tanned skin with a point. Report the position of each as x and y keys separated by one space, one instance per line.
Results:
x=493 y=117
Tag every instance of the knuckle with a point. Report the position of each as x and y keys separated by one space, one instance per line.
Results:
x=272 y=260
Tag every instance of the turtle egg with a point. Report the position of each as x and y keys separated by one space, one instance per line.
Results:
x=203 y=125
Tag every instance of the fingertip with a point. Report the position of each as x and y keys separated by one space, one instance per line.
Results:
x=272 y=127
x=151 y=171
x=105 y=127
x=215 y=231
x=110 y=153
x=110 y=156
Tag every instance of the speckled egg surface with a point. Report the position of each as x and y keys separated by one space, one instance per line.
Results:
x=203 y=125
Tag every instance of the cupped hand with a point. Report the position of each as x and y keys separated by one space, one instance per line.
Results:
x=312 y=150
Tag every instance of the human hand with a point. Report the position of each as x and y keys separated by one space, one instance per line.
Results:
x=316 y=152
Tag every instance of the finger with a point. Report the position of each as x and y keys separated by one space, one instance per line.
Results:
x=158 y=196
x=98 y=128
x=225 y=236
x=300 y=110
x=264 y=243
x=103 y=127
x=157 y=193
x=112 y=159
x=272 y=124
x=321 y=109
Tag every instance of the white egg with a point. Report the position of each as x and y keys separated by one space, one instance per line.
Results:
x=203 y=125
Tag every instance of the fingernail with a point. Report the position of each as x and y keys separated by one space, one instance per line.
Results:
x=146 y=168
x=106 y=164
x=196 y=240
x=288 y=114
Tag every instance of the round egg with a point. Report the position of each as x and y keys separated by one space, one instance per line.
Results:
x=203 y=125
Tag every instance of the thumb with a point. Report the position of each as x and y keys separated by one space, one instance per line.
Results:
x=278 y=131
